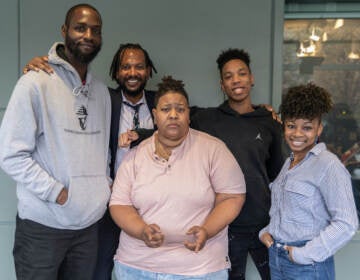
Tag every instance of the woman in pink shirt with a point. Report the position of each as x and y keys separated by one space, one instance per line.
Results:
x=174 y=196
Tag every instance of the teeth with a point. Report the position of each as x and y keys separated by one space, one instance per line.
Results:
x=297 y=143
x=238 y=90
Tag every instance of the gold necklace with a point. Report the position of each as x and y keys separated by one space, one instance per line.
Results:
x=160 y=150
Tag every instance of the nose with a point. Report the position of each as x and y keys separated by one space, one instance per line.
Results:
x=88 y=33
x=236 y=79
x=132 y=71
x=173 y=113
x=298 y=132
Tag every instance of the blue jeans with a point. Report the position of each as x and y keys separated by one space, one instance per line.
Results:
x=130 y=273
x=281 y=267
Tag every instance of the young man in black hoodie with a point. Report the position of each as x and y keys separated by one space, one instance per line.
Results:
x=254 y=138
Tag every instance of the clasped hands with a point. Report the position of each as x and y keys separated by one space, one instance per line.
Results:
x=154 y=238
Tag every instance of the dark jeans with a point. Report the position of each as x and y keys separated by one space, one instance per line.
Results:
x=240 y=244
x=282 y=268
x=44 y=253
x=109 y=234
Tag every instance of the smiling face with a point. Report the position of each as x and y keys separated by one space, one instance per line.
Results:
x=133 y=72
x=301 y=134
x=236 y=81
x=82 y=35
x=171 y=116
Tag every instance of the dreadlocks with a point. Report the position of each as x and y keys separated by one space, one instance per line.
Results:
x=114 y=68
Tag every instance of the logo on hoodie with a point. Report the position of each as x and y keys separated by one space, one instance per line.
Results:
x=82 y=116
x=258 y=137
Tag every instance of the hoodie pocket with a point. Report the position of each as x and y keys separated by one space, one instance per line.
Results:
x=86 y=203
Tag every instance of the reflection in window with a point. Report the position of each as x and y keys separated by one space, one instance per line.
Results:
x=327 y=52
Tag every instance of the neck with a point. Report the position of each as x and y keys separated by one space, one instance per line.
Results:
x=295 y=158
x=133 y=98
x=164 y=146
x=81 y=68
x=242 y=107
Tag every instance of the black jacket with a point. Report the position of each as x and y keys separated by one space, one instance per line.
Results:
x=116 y=102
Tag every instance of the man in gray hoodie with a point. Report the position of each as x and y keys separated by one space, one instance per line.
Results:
x=55 y=137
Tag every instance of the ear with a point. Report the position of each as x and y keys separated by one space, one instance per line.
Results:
x=252 y=80
x=63 y=31
x=320 y=129
x=148 y=71
x=222 y=85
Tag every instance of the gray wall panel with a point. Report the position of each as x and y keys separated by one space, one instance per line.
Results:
x=183 y=38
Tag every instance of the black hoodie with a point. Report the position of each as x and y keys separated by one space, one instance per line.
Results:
x=256 y=142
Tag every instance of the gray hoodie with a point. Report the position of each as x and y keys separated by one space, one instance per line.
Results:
x=55 y=134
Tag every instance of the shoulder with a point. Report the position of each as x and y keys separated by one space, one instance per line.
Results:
x=150 y=92
x=265 y=117
x=204 y=114
x=99 y=83
x=33 y=82
x=330 y=162
x=115 y=93
x=150 y=98
x=204 y=139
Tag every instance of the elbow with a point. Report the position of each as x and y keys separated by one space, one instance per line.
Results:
x=238 y=203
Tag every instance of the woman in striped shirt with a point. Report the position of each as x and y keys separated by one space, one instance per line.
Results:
x=312 y=213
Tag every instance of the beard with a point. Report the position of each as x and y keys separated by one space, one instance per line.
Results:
x=74 y=49
x=130 y=92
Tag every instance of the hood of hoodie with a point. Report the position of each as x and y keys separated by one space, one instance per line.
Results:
x=69 y=71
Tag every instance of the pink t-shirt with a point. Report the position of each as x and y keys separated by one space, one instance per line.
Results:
x=176 y=195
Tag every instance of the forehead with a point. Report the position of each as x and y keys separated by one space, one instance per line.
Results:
x=302 y=120
x=85 y=15
x=132 y=56
x=173 y=97
x=234 y=65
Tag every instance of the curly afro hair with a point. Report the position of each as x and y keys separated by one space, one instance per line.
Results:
x=305 y=102
x=169 y=84
x=230 y=54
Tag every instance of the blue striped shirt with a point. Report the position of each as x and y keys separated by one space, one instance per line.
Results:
x=313 y=201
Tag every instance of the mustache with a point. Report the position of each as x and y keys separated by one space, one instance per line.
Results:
x=132 y=77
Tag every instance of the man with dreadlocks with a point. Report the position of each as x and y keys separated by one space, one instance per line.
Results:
x=312 y=212
x=131 y=107
x=130 y=111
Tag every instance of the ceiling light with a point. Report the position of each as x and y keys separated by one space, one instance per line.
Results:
x=324 y=37
x=306 y=48
x=353 y=55
x=313 y=36
x=338 y=23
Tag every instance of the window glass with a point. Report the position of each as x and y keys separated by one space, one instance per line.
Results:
x=327 y=52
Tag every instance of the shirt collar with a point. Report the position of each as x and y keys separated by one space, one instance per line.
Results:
x=142 y=99
x=175 y=151
x=318 y=148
